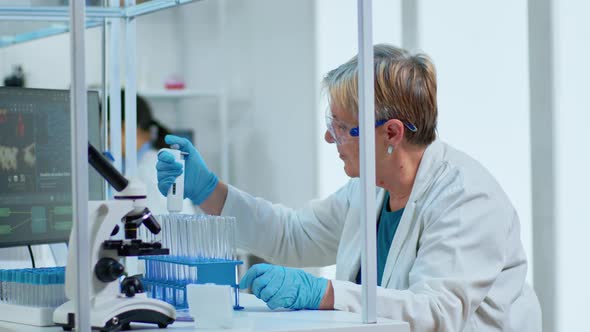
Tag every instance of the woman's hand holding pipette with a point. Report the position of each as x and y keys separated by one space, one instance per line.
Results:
x=199 y=181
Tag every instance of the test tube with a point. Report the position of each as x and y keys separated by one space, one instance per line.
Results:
x=202 y=238
x=224 y=238
x=219 y=227
x=62 y=285
x=188 y=244
x=167 y=267
x=232 y=237
x=195 y=245
x=215 y=230
x=19 y=283
x=173 y=245
x=32 y=285
x=21 y=290
x=7 y=283
x=228 y=238
x=206 y=237
x=44 y=287
x=195 y=239
x=214 y=236
x=167 y=242
x=183 y=244
x=193 y=236
x=182 y=254
x=2 y=286
x=222 y=234
x=150 y=269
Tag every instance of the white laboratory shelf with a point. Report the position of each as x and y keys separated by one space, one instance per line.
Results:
x=258 y=317
x=19 y=11
x=176 y=94
x=22 y=22
x=24 y=31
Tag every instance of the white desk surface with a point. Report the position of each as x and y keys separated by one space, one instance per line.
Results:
x=258 y=317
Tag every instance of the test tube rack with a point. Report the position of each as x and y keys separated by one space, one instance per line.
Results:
x=171 y=287
x=30 y=296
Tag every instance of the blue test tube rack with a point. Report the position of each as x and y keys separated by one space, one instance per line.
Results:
x=172 y=288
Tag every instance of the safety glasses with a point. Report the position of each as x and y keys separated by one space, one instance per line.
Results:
x=342 y=132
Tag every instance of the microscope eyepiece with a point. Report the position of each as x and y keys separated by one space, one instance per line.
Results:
x=106 y=169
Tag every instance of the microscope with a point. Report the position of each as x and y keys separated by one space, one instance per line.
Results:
x=115 y=304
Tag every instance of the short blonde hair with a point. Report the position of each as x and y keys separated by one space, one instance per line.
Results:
x=405 y=89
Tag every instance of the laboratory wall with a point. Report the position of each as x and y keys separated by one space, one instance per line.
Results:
x=572 y=161
x=52 y=69
x=260 y=53
x=483 y=89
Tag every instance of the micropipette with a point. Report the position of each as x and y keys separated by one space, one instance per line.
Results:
x=176 y=191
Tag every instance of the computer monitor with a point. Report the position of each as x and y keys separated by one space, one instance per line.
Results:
x=35 y=164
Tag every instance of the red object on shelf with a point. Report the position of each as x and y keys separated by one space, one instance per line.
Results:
x=174 y=84
x=20 y=129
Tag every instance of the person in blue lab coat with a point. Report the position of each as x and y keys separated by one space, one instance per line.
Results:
x=449 y=253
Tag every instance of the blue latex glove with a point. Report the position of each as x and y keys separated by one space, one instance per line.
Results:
x=199 y=181
x=283 y=287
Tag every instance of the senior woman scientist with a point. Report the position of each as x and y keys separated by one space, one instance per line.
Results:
x=449 y=252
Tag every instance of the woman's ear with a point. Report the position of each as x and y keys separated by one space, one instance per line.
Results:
x=394 y=129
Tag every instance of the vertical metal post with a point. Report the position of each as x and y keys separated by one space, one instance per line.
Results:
x=181 y=66
x=367 y=158
x=222 y=99
x=79 y=153
x=115 y=89
x=104 y=119
x=104 y=135
x=130 y=94
x=223 y=119
x=543 y=157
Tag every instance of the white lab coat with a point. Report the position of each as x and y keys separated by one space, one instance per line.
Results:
x=456 y=262
x=147 y=173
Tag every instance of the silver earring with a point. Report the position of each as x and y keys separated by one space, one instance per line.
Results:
x=390 y=149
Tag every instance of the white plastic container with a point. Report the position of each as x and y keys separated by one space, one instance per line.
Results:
x=176 y=192
x=211 y=306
